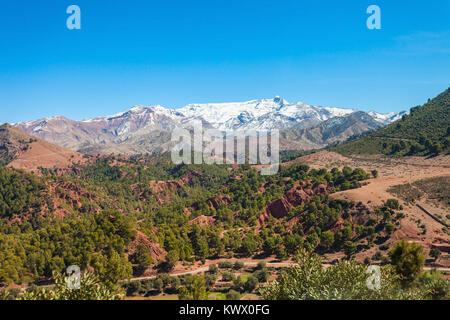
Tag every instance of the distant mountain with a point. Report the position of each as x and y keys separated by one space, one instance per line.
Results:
x=333 y=130
x=274 y=113
x=21 y=150
x=144 y=129
x=386 y=118
x=424 y=131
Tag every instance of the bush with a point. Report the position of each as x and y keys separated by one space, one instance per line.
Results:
x=227 y=276
x=233 y=295
x=308 y=280
x=251 y=284
x=238 y=265
x=261 y=265
x=225 y=265
x=392 y=204
x=261 y=275
x=390 y=228
x=435 y=253
x=213 y=268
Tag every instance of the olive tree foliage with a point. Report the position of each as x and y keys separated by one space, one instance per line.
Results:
x=91 y=288
x=309 y=280
x=195 y=289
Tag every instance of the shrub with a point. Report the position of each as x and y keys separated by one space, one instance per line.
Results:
x=225 y=265
x=392 y=204
x=233 y=295
x=213 y=268
x=227 y=276
x=250 y=284
x=238 y=265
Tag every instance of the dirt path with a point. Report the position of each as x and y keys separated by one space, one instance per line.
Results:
x=252 y=264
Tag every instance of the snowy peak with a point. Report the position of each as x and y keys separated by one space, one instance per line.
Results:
x=386 y=118
x=260 y=114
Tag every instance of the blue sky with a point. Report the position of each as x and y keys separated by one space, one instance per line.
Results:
x=178 y=52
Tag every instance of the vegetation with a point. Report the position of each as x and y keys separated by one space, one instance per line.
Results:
x=91 y=288
x=408 y=260
x=125 y=216
x=424 y=131
x=420 y=189
x=349 y=281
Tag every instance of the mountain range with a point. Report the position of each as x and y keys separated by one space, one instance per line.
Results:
x=143 y=129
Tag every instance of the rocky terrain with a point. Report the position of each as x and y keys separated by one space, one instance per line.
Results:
x=23 y=151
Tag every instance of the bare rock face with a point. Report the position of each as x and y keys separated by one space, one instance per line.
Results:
x=297 y=195
x=215 y=202
x=154 y=249
x=279 y=208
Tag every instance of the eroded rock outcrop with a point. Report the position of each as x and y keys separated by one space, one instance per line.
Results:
x=217 y=201
x=299 y=194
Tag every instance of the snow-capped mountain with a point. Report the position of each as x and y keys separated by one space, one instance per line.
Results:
x=386 y=118
x=147 y=128
x=260 y=114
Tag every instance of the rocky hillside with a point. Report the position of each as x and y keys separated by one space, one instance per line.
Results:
x=21 y=150
x=331 y=131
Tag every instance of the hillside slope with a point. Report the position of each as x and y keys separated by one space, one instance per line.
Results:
x=332 y=131
x=425 y=131
x=23 y=151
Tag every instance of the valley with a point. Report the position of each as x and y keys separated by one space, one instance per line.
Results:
x=145 y=227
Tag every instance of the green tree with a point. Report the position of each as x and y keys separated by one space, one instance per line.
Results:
x=327 y=239
x=349 y=249
x=195 y=289
x=233 y=295
x=435 y=253
x=408 y=260
x=250 y=284
x=171 y=259
x=142 y=258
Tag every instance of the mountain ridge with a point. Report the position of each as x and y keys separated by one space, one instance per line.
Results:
x=143 y=129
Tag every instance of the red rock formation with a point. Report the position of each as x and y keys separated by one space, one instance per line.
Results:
x=215 y=202
x=278 y=208
x=154 y=249
x=296 y=196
